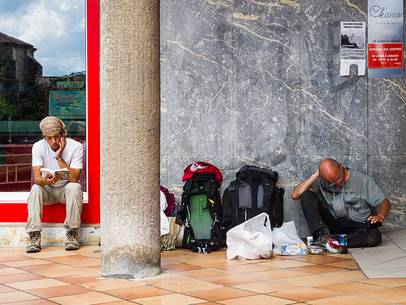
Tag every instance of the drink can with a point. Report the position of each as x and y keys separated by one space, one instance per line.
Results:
x=309 y=241
x=342 y=240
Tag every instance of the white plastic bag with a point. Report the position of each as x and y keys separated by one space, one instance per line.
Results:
x=286 y=240
x=285 y=235
x=164 y=219
x=251 y=239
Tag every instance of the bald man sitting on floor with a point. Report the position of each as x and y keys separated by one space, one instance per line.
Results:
x=337 y=200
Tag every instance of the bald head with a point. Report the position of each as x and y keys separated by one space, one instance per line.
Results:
x=332 y=172
x=329 y=168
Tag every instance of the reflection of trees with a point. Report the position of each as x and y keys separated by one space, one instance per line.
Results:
x=32 y=105
x=6 y=110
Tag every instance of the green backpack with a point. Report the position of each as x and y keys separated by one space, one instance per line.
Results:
x=200 y=212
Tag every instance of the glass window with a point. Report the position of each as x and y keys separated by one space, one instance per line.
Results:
x=42 y=72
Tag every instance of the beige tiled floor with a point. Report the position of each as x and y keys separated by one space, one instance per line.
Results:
x=54 y=276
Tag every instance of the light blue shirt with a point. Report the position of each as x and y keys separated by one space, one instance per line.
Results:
x=359 y=196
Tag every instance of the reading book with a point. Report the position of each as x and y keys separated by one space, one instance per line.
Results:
x=62 y=172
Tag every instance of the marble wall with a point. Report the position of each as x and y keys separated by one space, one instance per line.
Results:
x=257 y=82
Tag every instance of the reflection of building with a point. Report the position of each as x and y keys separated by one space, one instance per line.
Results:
x=67 y=96
x=19 y=71
x=21 y=102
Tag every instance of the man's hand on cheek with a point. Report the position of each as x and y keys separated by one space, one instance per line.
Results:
x=62 y=145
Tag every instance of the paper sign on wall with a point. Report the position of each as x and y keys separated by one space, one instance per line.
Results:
x=385 y=38
x=352 y=47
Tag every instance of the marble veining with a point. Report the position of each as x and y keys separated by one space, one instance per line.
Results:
x=257 y=82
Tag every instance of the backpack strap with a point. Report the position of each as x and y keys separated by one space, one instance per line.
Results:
x=181 y=214
x=211 y=188
x=213 y=198
x=214 y=205
x=268 y=186
x=186 y=193
x=188 y=241
x=272 y=174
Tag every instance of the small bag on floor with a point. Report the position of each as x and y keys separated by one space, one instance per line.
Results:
x=286 y=234
x=168 y=241
x=287 y=241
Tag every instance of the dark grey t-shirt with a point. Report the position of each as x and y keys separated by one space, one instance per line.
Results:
x=357 y=198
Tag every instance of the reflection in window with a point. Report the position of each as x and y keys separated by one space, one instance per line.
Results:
x=27 y=96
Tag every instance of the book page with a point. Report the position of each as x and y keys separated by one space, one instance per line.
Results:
x=46 y=171
x=63 y=172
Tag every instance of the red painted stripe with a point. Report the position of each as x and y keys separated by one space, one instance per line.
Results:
x=91 y=211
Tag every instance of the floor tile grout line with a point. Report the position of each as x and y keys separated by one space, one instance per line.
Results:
x=395 y=243
x=255 y=294
x=106 y=291
x=380 y=263
x=45 y=259
x=47 y=277
x=25 y=291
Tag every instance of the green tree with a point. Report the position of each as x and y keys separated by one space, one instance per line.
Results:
x=33 y=104
x=6 y=110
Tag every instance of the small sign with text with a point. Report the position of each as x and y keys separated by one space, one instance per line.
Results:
x=386 y=55
x=385 y=38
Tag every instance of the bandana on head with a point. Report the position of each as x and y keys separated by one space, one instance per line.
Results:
x=51 y=126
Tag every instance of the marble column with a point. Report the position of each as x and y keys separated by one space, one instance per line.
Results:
x=129 y=138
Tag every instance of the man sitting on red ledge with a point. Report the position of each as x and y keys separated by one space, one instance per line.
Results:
x=336 y=200
x=55 y=152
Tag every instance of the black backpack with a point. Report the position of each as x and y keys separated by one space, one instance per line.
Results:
x=253 y=192
x=200 y=212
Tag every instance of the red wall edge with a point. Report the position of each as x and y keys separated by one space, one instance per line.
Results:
x=17 y=212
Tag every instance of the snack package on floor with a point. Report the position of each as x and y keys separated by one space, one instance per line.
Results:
x=315 y=250
x=291 y=249
x=333 y=246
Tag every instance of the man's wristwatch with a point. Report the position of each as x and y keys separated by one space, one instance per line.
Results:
x=58 y=158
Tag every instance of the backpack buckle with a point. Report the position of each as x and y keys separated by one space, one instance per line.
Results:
x=202 y=249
